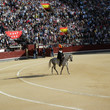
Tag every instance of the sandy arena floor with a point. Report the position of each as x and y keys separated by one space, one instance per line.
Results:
x=29 y=84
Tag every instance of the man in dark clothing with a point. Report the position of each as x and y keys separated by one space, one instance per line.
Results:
x=1 y=28
x=60 y=56
x=43 y=52
x=52 y=53
x=35 y=53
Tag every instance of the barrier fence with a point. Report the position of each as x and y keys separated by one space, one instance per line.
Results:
x=30 y=50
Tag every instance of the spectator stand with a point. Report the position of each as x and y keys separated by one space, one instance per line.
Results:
x=87 y=22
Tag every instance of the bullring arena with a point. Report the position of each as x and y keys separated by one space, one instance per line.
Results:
x=29 y=84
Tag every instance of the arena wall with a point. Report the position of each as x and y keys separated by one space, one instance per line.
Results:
x=72 y=49
x=13 y=54
x=83 y=48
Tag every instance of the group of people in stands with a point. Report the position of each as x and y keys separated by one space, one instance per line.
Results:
x=87 y=21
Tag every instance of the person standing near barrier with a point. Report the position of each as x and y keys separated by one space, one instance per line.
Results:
x=34 y=54
x=43 y=52
x=52 y=52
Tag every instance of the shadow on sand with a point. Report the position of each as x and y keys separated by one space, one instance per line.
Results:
x=31 y=76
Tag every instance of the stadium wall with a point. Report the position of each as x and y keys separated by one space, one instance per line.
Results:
x=12 y=55
x=73 y=49
x=84 y=48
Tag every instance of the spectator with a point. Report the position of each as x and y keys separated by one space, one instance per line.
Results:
x=52 y=52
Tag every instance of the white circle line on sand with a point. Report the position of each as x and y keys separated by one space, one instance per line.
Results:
x=10 y=66
x=14 y=65
x=61 y=90
x=39 y=102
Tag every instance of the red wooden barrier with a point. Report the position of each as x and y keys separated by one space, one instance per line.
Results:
x=83 y=48
x=30 y=49
x=22 y=53
x=18 y=53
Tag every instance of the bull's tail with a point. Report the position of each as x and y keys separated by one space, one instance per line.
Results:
x=50 y=63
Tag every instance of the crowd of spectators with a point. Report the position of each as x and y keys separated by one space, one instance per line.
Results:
x=87 y=22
